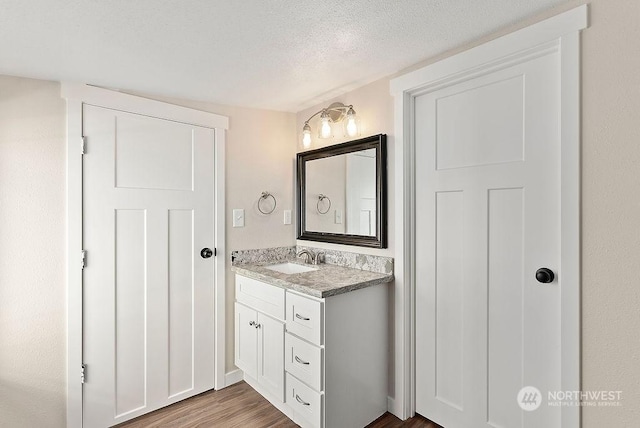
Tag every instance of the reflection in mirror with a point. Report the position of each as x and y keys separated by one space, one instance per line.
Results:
x=342 y=193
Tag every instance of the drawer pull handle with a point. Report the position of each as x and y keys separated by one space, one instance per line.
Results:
x=301 y=401
x=300 y=317
x=306 y=363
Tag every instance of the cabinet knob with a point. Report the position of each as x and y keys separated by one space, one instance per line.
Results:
x=258 y=325
x=252 y=323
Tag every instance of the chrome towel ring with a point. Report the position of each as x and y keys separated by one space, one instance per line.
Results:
x=321 y=198
x=265 y=195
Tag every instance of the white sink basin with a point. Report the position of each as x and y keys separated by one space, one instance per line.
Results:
x=290 y=268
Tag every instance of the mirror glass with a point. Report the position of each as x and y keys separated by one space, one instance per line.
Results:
x=341 y=193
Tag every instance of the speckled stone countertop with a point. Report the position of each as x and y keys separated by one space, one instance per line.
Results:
x=328 y=280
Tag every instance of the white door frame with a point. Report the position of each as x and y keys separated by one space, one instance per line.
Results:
x=76 y=96
x=562 y=31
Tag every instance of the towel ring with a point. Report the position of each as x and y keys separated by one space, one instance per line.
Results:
x=321 y=198
x=264 y=196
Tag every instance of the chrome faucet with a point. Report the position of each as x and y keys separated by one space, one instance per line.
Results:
x=309 y=255
x=317 y=259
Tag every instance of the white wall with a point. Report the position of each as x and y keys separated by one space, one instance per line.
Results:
x=32 y=254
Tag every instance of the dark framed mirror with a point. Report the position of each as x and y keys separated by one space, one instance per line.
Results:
x=342 y=193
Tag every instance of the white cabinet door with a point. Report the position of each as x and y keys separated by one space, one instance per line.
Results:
x=271 y=355
x=259 y=349
x=147 y=294
x=246 y=335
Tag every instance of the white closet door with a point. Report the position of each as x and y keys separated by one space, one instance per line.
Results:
x=148 y=293
x=487 y=218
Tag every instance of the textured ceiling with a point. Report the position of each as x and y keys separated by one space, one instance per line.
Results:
x=274 y=54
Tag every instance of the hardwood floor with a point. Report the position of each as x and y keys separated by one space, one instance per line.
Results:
x=240 y=406
x=390 y=421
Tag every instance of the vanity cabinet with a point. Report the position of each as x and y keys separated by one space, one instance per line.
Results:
x=321 y=361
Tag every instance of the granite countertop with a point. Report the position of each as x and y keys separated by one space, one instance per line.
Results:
x=328 y=280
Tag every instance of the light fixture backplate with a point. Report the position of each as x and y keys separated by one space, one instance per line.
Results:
x=337 y=111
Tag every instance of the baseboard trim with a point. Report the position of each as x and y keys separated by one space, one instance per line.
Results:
x=393 y=408
x=233 y=377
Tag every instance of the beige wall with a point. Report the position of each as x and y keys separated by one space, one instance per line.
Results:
x=610 y=198
x=611 y=209
x=32 y=254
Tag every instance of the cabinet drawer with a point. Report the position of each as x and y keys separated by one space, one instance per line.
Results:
x=261 y=296
x=304 y=361
x=306 y=403
x=304 y=318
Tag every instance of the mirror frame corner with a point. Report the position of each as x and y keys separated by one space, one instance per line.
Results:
x=380 y=240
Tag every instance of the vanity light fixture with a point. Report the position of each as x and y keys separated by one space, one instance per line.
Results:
x=335 y=113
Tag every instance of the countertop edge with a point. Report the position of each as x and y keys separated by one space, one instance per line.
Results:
x=249 y=273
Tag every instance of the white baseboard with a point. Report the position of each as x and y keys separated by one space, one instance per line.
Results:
x=391 y=408
x=233 y=377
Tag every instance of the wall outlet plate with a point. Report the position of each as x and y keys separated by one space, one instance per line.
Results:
x=287 y=216
x=238 y=217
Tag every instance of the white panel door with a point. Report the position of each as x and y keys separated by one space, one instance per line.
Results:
x=147 y=292
x=487 y=217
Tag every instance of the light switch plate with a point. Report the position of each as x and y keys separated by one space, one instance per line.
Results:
x=287 y=216
x=238 y=217
x=338 y=217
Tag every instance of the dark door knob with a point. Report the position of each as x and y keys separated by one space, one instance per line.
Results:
x=545 y=275
x=206 y=253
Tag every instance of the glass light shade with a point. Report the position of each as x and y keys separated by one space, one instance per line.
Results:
x=325 y=130
x=351 y=125
x=306 y=135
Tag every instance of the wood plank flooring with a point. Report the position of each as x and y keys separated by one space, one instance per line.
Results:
x=240 y=406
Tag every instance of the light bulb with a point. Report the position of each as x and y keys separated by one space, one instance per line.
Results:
x=352 y=128
x=306 y=135
x=351 y=125
x=325 y=125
